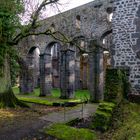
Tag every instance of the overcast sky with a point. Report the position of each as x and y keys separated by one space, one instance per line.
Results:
x=68 y=4
x=63 y=5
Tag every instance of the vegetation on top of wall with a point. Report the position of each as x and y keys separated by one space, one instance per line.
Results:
x=103 y=116
x=116 y=88
x=116 y=85
x=125 y=123
x=64 y=132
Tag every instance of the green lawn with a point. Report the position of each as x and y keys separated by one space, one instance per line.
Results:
x=64 y=132
x=80 y=96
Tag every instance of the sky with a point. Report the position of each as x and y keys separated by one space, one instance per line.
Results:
x=63 y=5
x=69 y=4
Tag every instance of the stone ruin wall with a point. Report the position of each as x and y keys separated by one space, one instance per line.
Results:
x=125 y=26
x=94 y=23
x=93 y=17
x=126 y=39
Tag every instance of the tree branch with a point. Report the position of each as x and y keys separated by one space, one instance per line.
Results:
x=29 y=28
x=37 y=12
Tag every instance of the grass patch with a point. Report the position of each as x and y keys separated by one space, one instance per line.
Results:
x=35 y=100
x=80 y=96
x=64 y=132
x=126 y=124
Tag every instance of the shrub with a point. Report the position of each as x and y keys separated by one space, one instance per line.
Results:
x=103 y=116
x=116 y=85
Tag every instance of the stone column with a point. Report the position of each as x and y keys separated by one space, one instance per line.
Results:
x=92 y=76
x=55 y=72
x=27 y=76
x=77 y=74
x=101 y=76
x=96 y=74
x=67 y=73
x=85 y=71
x=42 y=75
x=45 y=74
x=26 y=85
x=63 y=74
x=36 y=71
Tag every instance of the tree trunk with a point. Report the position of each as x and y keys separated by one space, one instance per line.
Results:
x=7 y=97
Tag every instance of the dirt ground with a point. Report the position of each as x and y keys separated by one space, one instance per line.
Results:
x=24 y=123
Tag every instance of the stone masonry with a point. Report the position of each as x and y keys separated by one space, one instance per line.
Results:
x=126 y=39
x=88 y=22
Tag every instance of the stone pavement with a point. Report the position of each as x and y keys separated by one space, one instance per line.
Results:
x=80 y=111
x=32 y=129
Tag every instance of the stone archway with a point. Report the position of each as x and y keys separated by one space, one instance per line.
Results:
x=50 y=68
x=67 y=73
x=97 y=65
x=59 y=65
x=29 y=73
x=81 y=63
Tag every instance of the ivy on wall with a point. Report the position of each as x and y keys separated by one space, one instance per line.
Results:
x=116 y=85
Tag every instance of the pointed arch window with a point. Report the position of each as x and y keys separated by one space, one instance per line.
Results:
x=78 y=22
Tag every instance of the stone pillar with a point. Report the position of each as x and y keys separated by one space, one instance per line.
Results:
x=77 y=74
x=27 y=76
x=45 y=74
x=63 y=74
x=100 y=75
x=42 y=75
x=92 y=77
x=85 y=72
x=55 y=72
x=96 y=74
x=67 y=73
x=36 y=71
x=26 y=85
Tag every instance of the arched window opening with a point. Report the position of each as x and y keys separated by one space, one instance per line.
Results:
x=33 y=63
x=82 y=44
x=78 y=22
x=109 y=13
x=33 y=37
x=54 y=51
x=54 y=61
x=107 y=59
x=52 y=28
x=110 y=16
x=104 y=41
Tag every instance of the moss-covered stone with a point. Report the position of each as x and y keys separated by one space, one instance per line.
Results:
x=8 y=99
x=103 y=115
x=64 y=132
x=116 y=85
x=125 y=122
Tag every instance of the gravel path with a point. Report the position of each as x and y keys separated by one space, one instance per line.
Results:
x=30 y=129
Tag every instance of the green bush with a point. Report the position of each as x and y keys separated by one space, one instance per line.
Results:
x=126 y=122
x=103 y=116
x=64 y=132
x=116 y=85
